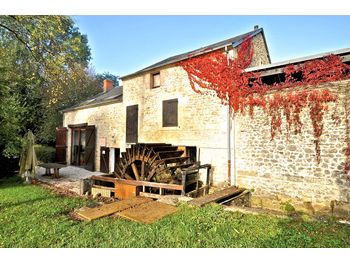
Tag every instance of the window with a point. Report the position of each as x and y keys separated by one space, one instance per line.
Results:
x=155 y=80
x=170 y=113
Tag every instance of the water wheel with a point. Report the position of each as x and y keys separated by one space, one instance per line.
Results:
x=151 y=162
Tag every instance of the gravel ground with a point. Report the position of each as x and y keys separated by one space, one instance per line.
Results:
x=70 y=177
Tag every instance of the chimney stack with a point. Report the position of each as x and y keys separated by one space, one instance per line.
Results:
x=256 y=27
x=107 y=85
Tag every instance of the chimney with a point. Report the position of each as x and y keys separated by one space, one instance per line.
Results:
x=107 y=85
x=256 y=27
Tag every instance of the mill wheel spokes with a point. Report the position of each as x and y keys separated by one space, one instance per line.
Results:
x=139 y=163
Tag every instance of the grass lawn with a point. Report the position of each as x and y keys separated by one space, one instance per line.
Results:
x=31 y=216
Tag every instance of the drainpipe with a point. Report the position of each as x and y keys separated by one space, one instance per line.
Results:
x=234 y=149
x=229 y=145
x=228 y=134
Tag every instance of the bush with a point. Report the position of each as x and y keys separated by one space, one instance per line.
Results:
x=8 y=165
x=45 y=153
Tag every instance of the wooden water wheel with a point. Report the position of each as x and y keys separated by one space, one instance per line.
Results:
x=151 y=162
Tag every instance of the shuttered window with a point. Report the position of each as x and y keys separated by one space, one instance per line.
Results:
x=170 y=113
x=132 y=123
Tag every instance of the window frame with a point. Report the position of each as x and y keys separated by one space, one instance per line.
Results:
x=152 y=79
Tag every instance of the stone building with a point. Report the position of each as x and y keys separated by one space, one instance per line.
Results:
x=157 y=104
x=201 y=121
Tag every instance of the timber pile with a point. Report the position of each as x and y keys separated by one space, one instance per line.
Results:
x=226 y=194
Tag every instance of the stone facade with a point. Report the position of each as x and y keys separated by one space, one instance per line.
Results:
x=278 y=170
x=286 y=171
x=202 y=120
x=109 y=121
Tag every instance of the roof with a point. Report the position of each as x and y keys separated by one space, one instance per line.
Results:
x=113 y=95
x=274 y=68
x=235 y=41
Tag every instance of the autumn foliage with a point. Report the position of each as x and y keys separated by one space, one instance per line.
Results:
x=218 y=74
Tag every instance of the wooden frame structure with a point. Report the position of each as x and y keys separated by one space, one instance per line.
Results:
x=162 y=186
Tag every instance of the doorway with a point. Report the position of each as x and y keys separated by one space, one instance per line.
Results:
x=83 y=141
x=78 y=146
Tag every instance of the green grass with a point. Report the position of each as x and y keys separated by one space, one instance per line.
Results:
x=31 y=216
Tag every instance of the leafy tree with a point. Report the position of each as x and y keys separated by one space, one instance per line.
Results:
x=43 y=68
x=107 y=75
x=80 y=84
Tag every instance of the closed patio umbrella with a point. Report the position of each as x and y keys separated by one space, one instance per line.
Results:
x=28 y=160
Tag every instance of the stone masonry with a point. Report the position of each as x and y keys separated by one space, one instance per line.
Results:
x=286 y=170
x=279 y=171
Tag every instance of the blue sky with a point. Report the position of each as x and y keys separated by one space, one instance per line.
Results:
x=124 y=44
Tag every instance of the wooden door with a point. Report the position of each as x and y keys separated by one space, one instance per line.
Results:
x=104 y=159
x=61 y=144
x=116 y=157
x=90 y=137
x=132 y=123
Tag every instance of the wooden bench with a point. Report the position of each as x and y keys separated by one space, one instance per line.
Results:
x=55 y=166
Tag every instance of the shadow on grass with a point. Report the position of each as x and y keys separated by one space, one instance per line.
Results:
x=299 y=233
x=25 y=202
x=12 y=181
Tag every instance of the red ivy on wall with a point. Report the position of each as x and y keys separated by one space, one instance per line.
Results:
x=216 y=73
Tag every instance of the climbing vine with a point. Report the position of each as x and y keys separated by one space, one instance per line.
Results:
x=217 y=74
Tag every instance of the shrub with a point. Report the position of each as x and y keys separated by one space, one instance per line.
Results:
x=45 y=153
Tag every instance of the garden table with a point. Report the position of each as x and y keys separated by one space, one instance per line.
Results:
x=55 y=166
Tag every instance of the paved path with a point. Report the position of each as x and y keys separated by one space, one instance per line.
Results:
x=70 y=177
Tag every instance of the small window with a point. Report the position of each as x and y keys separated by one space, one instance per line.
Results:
x=170 y=113
x=155 y=80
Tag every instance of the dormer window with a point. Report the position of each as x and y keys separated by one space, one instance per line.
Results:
x=155 y=80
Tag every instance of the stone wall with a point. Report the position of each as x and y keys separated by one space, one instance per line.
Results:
x=202 y=120
x=282 y=170
x=109 y=121
x=279 y=171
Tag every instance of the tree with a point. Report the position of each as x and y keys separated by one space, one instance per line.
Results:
x=44 y=61
x=107 y=75
x=81 y=83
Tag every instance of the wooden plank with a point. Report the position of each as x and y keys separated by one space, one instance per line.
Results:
x=103 y=187
x=103 y=178
x=108 y=209
x=136 y=172
x=236 y=197
x=139 y=183
x=214 y=197
x=126 y=191
x=148 y=213
x=150 y=195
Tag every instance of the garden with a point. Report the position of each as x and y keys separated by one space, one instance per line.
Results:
x=32 y=216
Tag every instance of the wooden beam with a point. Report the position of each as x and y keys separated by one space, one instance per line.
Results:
x=135 y=171
x=139 y=183
x=217 y=196
x=150 y=195
x=78 y=125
